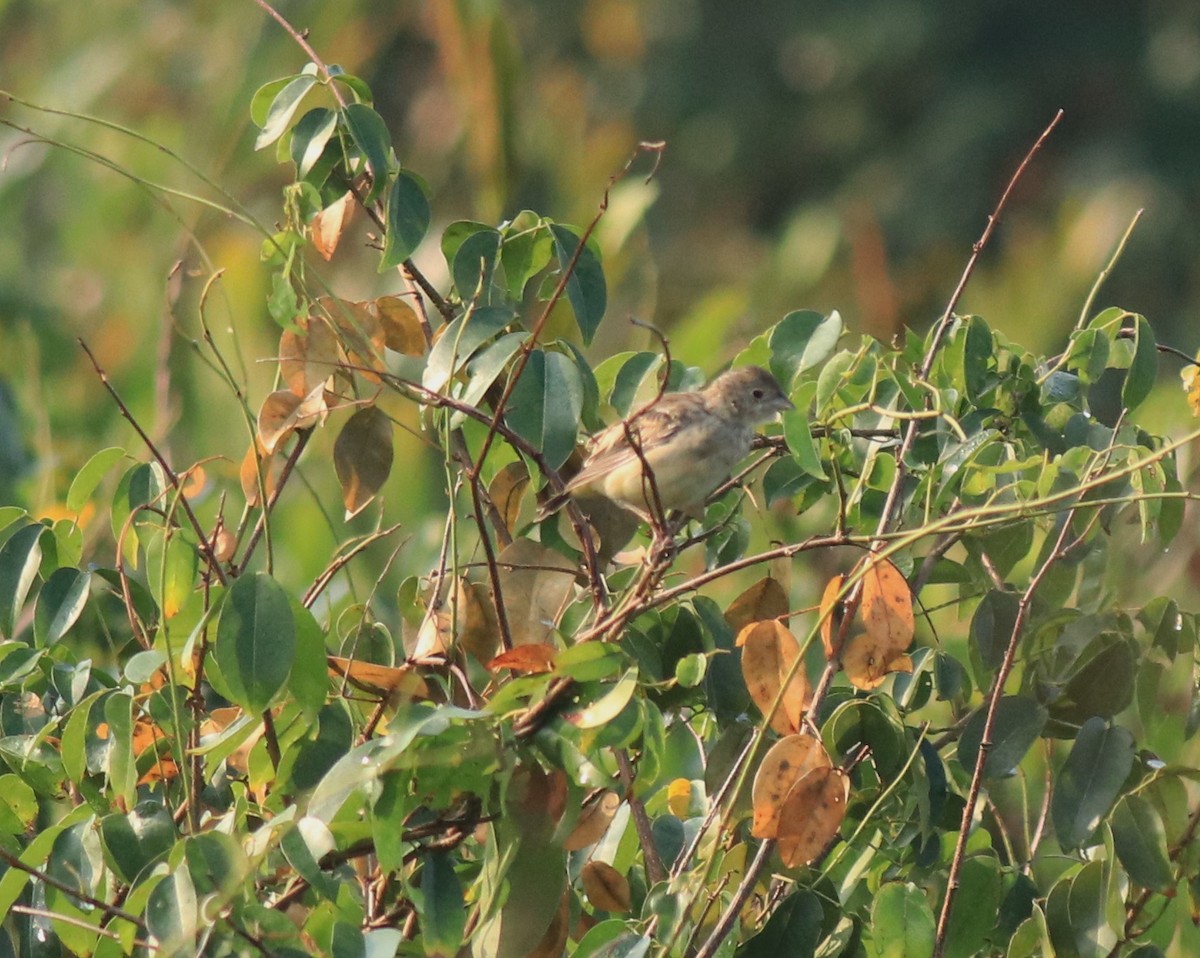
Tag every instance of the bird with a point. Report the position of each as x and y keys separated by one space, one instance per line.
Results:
x=690 y=441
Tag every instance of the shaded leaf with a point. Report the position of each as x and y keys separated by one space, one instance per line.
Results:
x=586 y=289
x=811 y=815
x=1090 y=781
x=255 y=643
x=546 y=404
x=362 y=457
x=594 y=820
x=785 y=763
x=769 y=652
x=402 y=332
x=902 y=923
x=1018 y=723
x=606 y=888
x=1141 y=843
x=370 y=135
x=308 y=355
x=408 y=217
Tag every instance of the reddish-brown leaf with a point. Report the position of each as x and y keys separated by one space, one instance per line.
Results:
x=766 y=599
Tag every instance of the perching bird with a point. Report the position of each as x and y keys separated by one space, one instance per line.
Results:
x=691 y=442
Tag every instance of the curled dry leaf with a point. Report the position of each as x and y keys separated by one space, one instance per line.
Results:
x=435 y=636
x=606 y=887
x=257 y=462
x=769 y=652
x=766 y=599
x=831 y=613
x=402 y=332
x=785 y=763
x=379 y=679
x=535 y=659
x=327 y=226
x=867 y=659
x=594 y=820
x=811 y=815
x=887 y=611
x=195 y=480
x=360 y=332
x=362 y=457
x=283 y=412
x=308 y=355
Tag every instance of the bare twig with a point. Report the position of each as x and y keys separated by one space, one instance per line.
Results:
x=655 y=872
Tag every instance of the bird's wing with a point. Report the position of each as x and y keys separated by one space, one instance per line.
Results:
x=610 y=449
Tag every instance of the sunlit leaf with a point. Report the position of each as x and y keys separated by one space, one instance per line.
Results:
x=787 y=761
x=766 y=599
x=308 y=355
x=370 y=135
x=811 y=815
x=309 y=137
x=902 y=923
x=91 y=475
x=60 y=603
x=831 y=613
x=327 y=226
x=546 y=404
x=868 y=659
x=402 y=331
x=283 y=106
x=769 y=652
x=19 y=559
x=886 y=606
x=362 y=457
x=283 y=412
x=532 y=658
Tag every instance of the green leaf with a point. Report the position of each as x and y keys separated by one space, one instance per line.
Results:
x=527 y=250
x=309 y=678
x=135 y=841
x=901 y=923
x=19 y=560
x=216 y=862
x=793 y=929
x=535 y=877
x=171 y=566
x=1018 y=723
x=474 y=263
x=1087 y=911
x=370 y=135
x=1141 y=843
x=309 y=137
x=977 y=356
x=798 y=434
x=612 y=939
x=283 y=106
x=408 y=217
x=586 y=289
x=459 y=341
x=121 y=764
x=801 y=341
x=59 y=604
x=443 y=916
x=546 y=404
x=172 y=915
x=1032 y=939
x=89 y=477
x=1143 y=368
x=75 y=734
x=14 y=880
x=992 y=626
x=255 y=643
x=973 y=918
x=1090 y=781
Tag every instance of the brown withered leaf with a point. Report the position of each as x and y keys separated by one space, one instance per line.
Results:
x=812 y=815
x=402 y=331
x=507 y=490
x=785 y=763
x=308 y=355
x=360 y=332
x=887 y=611
x=768 y=653
x=831 y=613
x=327 y=226
x=257 y=461
x=379 y=679
x=283 y=412
x=533 y=658
x=478 y=632
x=362 y=457
x=594 y=820
x=606 y=888
x=536 y=582
x=868 y=659
x=766 y=599
x=435 y=636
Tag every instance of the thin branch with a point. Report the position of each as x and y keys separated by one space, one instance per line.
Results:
x=655 y=872
x=204 y=545
x=12 y=861
x=303 y=435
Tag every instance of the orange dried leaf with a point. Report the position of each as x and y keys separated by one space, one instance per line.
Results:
x=831 y=613
x=402 y=332
x=308 y=356
x=534 y=658
x=766 y=599
x=360 y=332
x=327 y=226
x=606 y=888
x=887 y=611
x=812 y=815
x=379 y=679
x=868 y=659
x=507 y=491
x=283 y=412
x=769 y=651
x=254 y=463
x=362 y=457
x=594 y=820
x=785 y=763
x=194 y=481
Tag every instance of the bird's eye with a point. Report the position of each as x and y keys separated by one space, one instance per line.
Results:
x=758 y=394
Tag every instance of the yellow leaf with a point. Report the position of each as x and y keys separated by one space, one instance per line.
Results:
x=766 y=599
x=811 y=815
x=867 y=659
x=283 y=412
x=1191 y=384
x=362 y=457
x=402 y=332
x=327 y=226
x=679 y=797
x=606 y=887
x=887 y=611
x=784 y=764
x=831 y=613
x=256 y=461
x=768 y=653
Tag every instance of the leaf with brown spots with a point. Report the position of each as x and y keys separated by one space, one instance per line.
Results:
x=769 y=652
x=887 y=611
x=867 y=659
x=507 y=490
x=785 y=763
x=766 y=599
x=811 y=815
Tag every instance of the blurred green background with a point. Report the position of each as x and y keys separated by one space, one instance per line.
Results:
x=819 y=155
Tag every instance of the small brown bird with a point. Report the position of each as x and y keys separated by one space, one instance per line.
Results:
x=691 y=442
